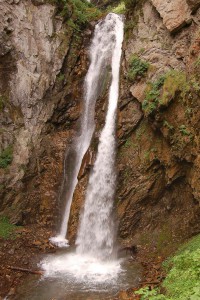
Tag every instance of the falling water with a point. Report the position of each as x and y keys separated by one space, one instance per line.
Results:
x=100 y=55
x=94 y=262
x=96 y=232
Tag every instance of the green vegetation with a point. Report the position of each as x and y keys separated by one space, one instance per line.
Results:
x=3 y=101
x=152 y=97
x=77 y=12
x=130 y=4
x=61 y=77
x=174 y=81
x=6 y=228
x=167 y=125
x=137 y=68
x=183 y=130
x=164 y=89
x=183 y=275
x=6 y=157
x=119 y=9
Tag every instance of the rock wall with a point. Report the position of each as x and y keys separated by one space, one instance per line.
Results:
x=158 y=159
x=43 y=64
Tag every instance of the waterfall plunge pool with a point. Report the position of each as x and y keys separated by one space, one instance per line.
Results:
x=69 y=276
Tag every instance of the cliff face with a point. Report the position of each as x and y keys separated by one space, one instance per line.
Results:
x=158 y=158
x=42 y=68
x=44 y=62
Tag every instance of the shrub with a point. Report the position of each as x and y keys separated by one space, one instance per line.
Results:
x=137 y=67
x=6 y=157
x=152 y=96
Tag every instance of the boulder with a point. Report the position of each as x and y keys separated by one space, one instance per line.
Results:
x=175 y=13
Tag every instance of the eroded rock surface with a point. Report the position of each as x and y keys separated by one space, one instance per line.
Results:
x=175 y=13
x=158 y=195
x=39 y=104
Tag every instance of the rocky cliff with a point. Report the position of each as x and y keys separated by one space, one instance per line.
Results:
x=158 y=154
x=43 y=63
x=43 y=59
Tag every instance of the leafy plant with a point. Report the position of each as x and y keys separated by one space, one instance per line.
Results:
x=6 y=157
x=137 y=67
x=152 y=97
x=182 y=281
x=6 y=228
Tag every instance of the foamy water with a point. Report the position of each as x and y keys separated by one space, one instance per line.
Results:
x=81 y=268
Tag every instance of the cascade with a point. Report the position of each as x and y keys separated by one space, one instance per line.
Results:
x=100 y=56
x=96 y=232
x=94 y=261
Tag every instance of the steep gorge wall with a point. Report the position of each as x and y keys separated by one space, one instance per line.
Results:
x=158 y=155
x=43 y=64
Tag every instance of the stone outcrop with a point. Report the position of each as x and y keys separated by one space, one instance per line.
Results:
x=175 y=13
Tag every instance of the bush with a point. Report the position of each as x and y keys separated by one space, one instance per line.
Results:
x=152 y=97
x=137 y=67
x=6 y=157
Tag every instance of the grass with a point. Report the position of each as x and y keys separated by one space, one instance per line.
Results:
x=6 y=228
x=119 y=9
x=6 y=157
x=183 y=275
x=164 y=89
x=137 y=68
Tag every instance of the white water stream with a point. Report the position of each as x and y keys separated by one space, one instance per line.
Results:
x=101 y=52
x=94 y=260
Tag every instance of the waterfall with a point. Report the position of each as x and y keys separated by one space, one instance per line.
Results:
x=96 y=232
x=94 y=262
x=101 y=51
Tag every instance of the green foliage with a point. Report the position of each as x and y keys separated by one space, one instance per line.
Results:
x=61 y=77
x=182 y=281
x=3 y=101
x=130 y=4
x=183 y=130
x=137 y=67
x=163 y=90
x=77 y=12
x=6 y=229
x=169 y=126
x=152 y=97
x=145 y=293
x=119 y=9
x=6 y=157
x=174 y=81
